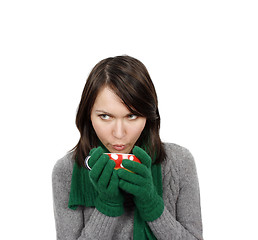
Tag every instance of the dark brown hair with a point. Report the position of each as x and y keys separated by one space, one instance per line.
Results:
x=130 y=80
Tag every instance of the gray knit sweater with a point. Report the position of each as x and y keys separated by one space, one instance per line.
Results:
x=181 y=219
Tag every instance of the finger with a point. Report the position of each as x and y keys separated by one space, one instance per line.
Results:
x=129 y=187
x=91 y=151
x=114 y=181
x=136 y=167
x=130 y=177
x=95 y=156
x=98 y=167
x=105 y=177
x=142 y=156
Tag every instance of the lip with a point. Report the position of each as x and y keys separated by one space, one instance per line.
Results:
x=119 y=147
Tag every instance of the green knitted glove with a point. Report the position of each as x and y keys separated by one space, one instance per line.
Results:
x=105 y=180
x=139 y=183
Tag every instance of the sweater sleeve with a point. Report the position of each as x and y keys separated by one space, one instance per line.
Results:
x=73 y=224
x=181 y=219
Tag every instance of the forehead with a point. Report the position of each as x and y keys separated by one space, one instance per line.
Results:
x=107 y=100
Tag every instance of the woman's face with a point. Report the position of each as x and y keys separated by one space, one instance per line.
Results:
x=116 y=127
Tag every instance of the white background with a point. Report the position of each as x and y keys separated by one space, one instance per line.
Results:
x=203 y=59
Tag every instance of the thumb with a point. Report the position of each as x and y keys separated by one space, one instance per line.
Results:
x=142 y=156
x=95 y=154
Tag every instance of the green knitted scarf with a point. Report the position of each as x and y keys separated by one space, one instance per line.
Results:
x=83 y=194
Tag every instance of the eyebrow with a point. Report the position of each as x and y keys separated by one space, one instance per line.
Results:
x=103 y=112
x=109 y=114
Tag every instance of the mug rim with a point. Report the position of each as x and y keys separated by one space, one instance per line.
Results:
x=121 y=153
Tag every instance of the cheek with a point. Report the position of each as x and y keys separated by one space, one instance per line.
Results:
x=137 y=130
x=99 y=128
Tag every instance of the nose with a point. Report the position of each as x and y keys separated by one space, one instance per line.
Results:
x=119 y=129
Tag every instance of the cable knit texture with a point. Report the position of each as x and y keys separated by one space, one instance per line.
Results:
x=180 y=220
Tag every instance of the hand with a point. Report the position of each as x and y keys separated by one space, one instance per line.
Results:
x=105 y=180
x=139 y=182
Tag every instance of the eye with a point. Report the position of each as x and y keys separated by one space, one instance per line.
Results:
x=104 y=116
x=132 y=116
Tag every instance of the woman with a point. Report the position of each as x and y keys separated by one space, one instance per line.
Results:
x=158 y=198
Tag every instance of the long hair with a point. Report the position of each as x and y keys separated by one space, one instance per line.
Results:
x=130 y=80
